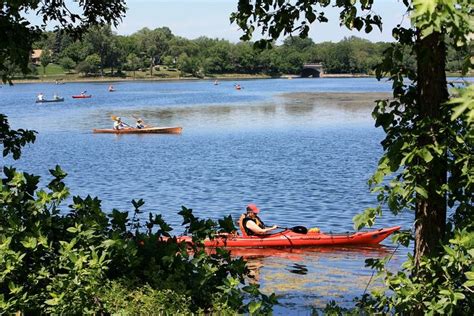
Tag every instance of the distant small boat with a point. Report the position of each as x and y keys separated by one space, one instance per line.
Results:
x=147 y=130
x=82 y=96
x=52 y=100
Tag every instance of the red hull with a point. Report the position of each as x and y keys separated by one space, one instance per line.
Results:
x=288 y=238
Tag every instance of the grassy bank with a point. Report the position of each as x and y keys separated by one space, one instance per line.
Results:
x=53 y=73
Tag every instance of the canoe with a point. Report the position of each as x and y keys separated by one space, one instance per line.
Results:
x=52 y=100
x=288 y=238
x=82 y=96
x=149 y=130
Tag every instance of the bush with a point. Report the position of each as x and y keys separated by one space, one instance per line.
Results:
x=67 y=63
x=118 y=298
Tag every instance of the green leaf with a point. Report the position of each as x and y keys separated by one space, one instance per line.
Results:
x=424 y=7
x=459 y=296
x=254 y=306
x=29 y=242
x=73 y=229
x=458 y=110
x=421 y=191
x=469 y=283
x=469 y=275
x=52 y=301
x=425 y=154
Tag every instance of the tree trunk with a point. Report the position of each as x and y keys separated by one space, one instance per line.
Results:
x=430 y=215
x=151 y=66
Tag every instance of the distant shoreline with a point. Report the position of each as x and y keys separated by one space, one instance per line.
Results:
x=230 y=77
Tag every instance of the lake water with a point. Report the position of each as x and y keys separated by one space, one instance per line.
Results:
x=302 y=159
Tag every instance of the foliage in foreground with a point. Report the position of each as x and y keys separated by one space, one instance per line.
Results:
x=82 y=260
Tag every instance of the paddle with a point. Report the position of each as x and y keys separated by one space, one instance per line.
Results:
x=296 y=229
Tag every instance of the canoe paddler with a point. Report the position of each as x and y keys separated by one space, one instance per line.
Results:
x=139 y=124
x=118 y=124
x=251 y=225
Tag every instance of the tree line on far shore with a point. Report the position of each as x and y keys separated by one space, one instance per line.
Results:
x=100 y=49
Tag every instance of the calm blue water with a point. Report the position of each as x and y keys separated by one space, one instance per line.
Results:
x=302 y=162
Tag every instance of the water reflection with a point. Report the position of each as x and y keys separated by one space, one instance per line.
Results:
x=297 y=268
x=300 y=109
x=312 y=276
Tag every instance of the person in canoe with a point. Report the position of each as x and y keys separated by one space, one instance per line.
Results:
x=251 y=225
x=40 y=96
x=83 y=93
x=118 y=124
x=139 y=124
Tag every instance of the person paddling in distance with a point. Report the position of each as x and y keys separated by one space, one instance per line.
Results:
x=40 y=96
x=118 y=124
x=139 y=124
x=251 y=225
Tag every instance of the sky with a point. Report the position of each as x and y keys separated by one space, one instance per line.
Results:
x=195 y=18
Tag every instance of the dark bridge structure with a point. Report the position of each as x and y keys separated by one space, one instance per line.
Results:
x=312 y=71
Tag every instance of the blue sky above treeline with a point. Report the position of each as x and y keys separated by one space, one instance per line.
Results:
x=211 y=18
x=194 y=18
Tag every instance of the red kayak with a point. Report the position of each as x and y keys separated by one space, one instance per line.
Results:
x=289 y=238
x=85 y=96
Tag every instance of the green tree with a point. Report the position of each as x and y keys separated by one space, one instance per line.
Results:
x=101 y=44
x=76 y=50
x=84 y=67
x=94 y=62
x=133 y=63
x=189 y=65
x=153 y=44
x=67 y=63
x=168 y=61
x=45 y=59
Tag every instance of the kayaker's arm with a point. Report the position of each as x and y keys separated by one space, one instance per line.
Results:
x=257 y=230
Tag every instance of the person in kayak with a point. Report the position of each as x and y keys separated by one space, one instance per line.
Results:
x=251 y=225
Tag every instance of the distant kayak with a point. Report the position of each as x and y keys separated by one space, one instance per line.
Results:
x=289 y=238
x=148 y=130
x=52 y=100
x=85 y=96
